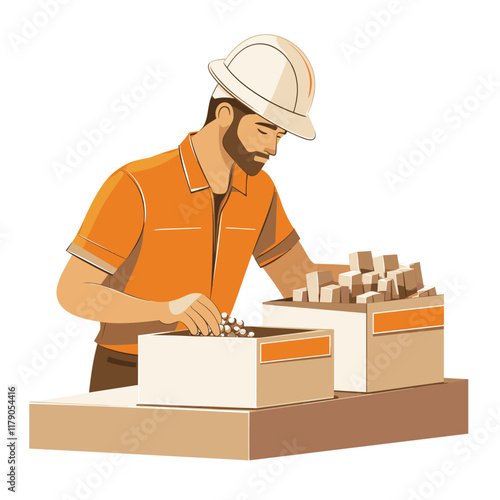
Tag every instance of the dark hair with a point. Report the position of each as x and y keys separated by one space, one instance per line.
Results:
x=212 y=106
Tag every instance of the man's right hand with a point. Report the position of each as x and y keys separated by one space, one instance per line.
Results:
x=196 y=311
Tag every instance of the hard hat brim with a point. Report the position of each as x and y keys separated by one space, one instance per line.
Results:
x=294 y=123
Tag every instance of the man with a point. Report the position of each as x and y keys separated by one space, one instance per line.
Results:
x=167 y=240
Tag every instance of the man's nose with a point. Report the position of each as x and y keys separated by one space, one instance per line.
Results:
x=271 y=148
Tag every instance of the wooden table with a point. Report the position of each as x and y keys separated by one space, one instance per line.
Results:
x=110 y=421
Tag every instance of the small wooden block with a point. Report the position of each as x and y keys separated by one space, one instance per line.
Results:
x=315 y=281
x=426 y=291
x=300 y=295
x=369 y=297
x=364 y=298
x=350 y=278
x=384 y=286
x=370 y=281
x=394 y=290
x=399 y=289
x=361 y=261
x=418 y=270
x=410 y=281
x=330 y=293
x=345 y=295
x=385 y=263
x=354 y=280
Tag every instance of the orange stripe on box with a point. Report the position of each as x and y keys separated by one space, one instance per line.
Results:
x=408 y=319
x=295 y=349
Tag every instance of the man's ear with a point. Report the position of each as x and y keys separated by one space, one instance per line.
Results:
x=224 y=114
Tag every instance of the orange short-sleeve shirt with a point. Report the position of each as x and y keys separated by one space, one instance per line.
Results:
x=153 y=223
x=113 y=224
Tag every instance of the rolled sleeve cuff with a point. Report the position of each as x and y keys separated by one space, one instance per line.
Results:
x=278 y=250
x=95 y=254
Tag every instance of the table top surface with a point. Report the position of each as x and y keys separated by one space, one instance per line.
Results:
x=126 y=397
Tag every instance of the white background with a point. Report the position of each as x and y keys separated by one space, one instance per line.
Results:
x=369 y=110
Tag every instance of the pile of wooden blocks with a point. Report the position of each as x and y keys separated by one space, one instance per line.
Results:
x=369 y=280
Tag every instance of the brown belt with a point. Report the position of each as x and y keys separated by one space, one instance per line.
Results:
x=112 y=369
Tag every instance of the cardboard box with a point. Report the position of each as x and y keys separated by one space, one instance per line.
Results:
x=278 y=366
x=378 y=346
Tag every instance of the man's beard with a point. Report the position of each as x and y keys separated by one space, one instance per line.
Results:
x=236 y=150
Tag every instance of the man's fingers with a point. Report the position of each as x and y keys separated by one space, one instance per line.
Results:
x=211 y=306
x=207 y=315
x=190 y=324
x=198 y=319
x=201 y=314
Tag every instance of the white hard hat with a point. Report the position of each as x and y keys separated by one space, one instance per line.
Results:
x=271 y=76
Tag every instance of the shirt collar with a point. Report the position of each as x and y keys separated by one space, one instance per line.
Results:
x=195 y=177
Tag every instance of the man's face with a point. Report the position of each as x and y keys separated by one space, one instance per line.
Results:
x=250 y=140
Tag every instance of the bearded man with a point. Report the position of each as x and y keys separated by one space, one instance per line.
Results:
x=167 y=240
